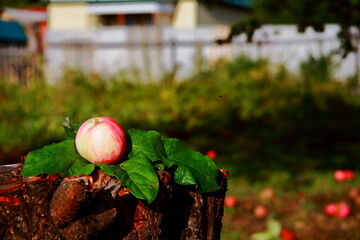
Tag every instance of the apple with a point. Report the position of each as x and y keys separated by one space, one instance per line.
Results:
x=230 y=201
x=349 y=174
x=331 y=209
x=340 y=209
x=267 y=193
x=343 y=210
x=101 y=140
x=211 y=154
x=340 y=175
x=287 y=234
x=260 y=211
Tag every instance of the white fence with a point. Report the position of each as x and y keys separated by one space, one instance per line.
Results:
x=20 y=65
x=154 y=51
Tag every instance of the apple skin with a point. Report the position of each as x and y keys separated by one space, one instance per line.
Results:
x=349 y=174
x=260 y=211
x=101 y=140
x=340 y=175
x=211 y=154
x=343 y=210
x=287 y=234
x=230 y=201
x=340 y=209
x=331 y=209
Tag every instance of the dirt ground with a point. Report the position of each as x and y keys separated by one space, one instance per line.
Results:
x=303 y=215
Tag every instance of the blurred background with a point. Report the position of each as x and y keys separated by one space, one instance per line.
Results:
x=267 y=88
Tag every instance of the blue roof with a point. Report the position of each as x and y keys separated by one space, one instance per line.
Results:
x=12 y=32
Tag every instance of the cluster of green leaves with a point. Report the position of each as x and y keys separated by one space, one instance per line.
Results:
x=146 y=151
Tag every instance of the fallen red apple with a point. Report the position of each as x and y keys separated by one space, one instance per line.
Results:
x=340 y=175
x=331 y=209
x=340 y=209
x=101 y=140
x=211 y=154
x=343 y=210
x=349 y=174
x=230 y=201
x=287 y=234
x=267 y=193
x=260 y=211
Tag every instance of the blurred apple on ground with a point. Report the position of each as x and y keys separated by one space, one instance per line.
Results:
x=211 y=154
x=287 y=234
x=260 y=211
x=230 y=201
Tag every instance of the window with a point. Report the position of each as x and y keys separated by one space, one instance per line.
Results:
x=108 y=20
x=138 y=19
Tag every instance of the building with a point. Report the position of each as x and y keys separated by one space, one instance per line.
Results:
x=82 y=14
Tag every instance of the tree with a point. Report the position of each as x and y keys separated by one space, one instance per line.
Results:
x=306 y=13
x=21 y=3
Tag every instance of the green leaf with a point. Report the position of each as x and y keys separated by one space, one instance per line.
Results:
x=138 y=175
x=192 y=167
x=141 y=177
x=80 y=167
x=146 y=142
x=274 y=227
x=70 y=129
x=51 y=159
x=112 y=170
x=184 y=176
x=262 y=236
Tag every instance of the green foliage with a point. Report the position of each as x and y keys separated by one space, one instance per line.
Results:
x=193 y=168
x=54 y=158
x=257 y=116
x=136 y=171
x=137 y=174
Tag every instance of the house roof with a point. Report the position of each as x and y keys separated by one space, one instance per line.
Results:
x=12 y=32
x=26 y=16
x=241 y=3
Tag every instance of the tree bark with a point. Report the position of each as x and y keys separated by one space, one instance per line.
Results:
x=99 y=207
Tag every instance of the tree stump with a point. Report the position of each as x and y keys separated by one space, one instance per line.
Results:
x=99 y=207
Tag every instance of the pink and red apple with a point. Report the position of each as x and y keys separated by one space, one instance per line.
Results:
x=339 y=175
x=349 y=174
x=343 y=175
x=340 y=209
x=267 y=193
x=230 y=201
x=287 y=234
x=211 y=154
x=331 y=209
x=343 y=210
x=260 y=211
x=101 y=140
